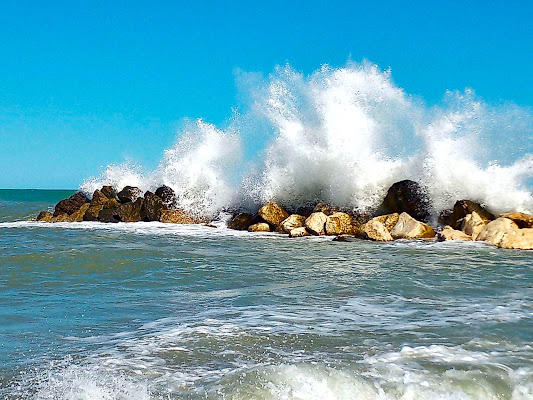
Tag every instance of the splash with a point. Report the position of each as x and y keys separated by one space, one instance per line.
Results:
x=344 y=135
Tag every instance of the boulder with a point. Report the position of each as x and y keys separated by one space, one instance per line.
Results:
x=520 y=219
x=108 y=215
x=177 y=217
x=521 y=239
x=376 y=230
x=345 y=238
x=292 y=222
x=92 y=213
x=273 y=213
x=316 y=222
x=63 y=217
x=325 y=208
x=109 y=192
x=339 y=223
x=299 y=232
x=408 y=197
x=259 y=227
x=152 y=207
x=464 y=207
x=45 y=216
x=473 y=224
x=448 y=233
x=166 y=194
x=388 y=220
x=77 y=216
x=98 y=201
x=129 y=193
x=70 y=205
x=99 y=198
x=359 y=220
x=131 y=211
x=240 y=222
x=494 y=231
x=409 y=228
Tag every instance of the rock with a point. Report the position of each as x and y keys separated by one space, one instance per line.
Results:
x=448 y=233
x=109 y=192
x=473 y=224
x=45 y=216
x=339 y=223
x=325 y=208
x=92 y=213
x=63 y=217
x=152 y=207
x=316 y=222
x=77 y=216
x=108 y=215
x=520 y=219
x=130 y=212
x=409 y=228
x=259 y=227
x=299 y=232
x=70 y=205
x=177 y=217
x=292 y=222
x=129 y=193
x=521 y=239
x=166 y=194
x=376 y=230
x=241 y=222
x=304 y=211
x=464 y=207
x=99 y=198
x=273 y=213
x=388 y=220
x=359 y=220
x=409 y=197
x=345 y=238
x=494 y=231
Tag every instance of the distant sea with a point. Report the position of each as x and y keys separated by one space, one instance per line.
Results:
x=155 y=311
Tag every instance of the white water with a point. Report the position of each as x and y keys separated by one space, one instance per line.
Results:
x=344 y=135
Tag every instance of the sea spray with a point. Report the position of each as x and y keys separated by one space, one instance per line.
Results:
x=344 y=135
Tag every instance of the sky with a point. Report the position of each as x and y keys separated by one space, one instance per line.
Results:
x=87 y=83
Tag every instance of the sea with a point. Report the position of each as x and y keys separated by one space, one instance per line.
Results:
x=160 y=311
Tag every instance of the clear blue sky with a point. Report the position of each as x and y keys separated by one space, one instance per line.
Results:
x=88 y=83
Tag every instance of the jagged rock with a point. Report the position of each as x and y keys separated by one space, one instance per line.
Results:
x=241 y=222
x=464 y=207
x=45 y=216
x=520 y=239
x=63 y=217
x=273 y=213
x=473 y=224
x=325 y=208
x=316 y=222
x=152 y=207
x=409 y=228
x=388 y=220
x=166 y=194
x=409 y=197
x=96 y=205
x=77 y=216
x=299 y=232
x=520 y=219
x=259 y=227
x=376 y=230
x=339 y=223
x=92 y=213
x=129 y=193
x=448 y=233
x=359 y=220
x=109 y=192
x=494 y=231
x=304 y=211
x=108 y=215
x=345 y=238
x=70 y=205
x=177 y=217
x=99 y=198
x=131 y=212
x=292 y=222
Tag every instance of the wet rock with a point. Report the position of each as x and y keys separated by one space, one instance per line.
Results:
x=177 y=217
x=377 y=231
x=259 y=227
x=299 y=232
x=316 y=222
x=473 y=224
x=409 y=228
x=77 y=216
x=464 y=207
x=96 y=205
x=152 y=207
x=273 y=213
x=99 y=198
x=388 y=220
x=129 y=193
x=345 y=238
x=166 y=194
x=325 y=208
x=63 y=217
x=108 y=215
x=339 y=223
x=109 y=192
x=520 y=219
x=241 y=222
x=520 y=239
x=494 y=232
x=408 y=197
x=292 y=222
x=130 y=212
x=70 y=205
x=448 y=233
x=45 y=216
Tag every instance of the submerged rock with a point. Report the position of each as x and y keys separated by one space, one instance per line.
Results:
x=316 y=222
x=167 y=195
x=409 y=228
x=273 y=213
x=520 y=219
x=339 y=223
x=152 y=207
x=129 y=193
x=408 y=197
x=345 y=238
x=44 y=216
x=292 y=222
x=241 y=222
x=70 y=205
x=177 y=217
x=259 y=227
x=473 y=224
x=376 y=230
x=448 y=233
x=299 y=232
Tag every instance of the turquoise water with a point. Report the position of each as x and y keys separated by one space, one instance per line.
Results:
x=154 y=311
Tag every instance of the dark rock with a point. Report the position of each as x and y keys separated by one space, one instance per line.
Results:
x=108 y=215
x=167 y=195
x=241 y=222
x=45 y=216
x=152 y=207
x=131 y=212
x=409 y=197
x=326 y=208
x=129 y=193
x=464 y=207
x=70 y=205
x=345 y=238
x=109 y=192
x=99 y=198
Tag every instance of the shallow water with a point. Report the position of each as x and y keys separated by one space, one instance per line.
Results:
x=155 y=311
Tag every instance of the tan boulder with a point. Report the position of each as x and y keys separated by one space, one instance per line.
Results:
x=520 y=219
x=63 y=217
x=177 y=217
x=299 y=232
x=473 y=224
x=389 y=220
x=259 y=227
x=77 y=216
x=448 y=233
x=521 y=239
x=409 y=228
x=45 y=216
x=376 y=230
x=339 y=223
x=316 y=222
x=292 y=222
x=494 y=231
x=273 y=213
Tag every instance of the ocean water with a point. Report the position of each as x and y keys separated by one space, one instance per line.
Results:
x=155 y=311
